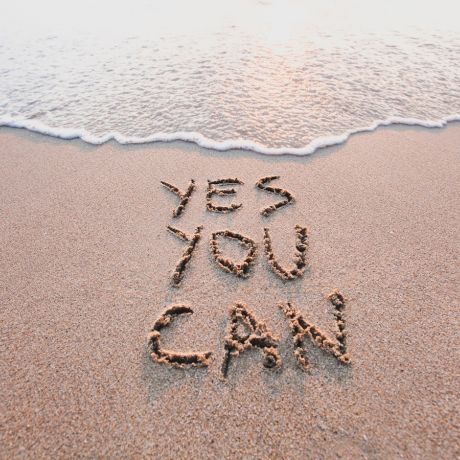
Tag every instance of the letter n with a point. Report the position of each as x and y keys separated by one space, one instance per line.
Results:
x=302 y=329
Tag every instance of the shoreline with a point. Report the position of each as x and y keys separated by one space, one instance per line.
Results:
x=200 y=140
x=87 y=264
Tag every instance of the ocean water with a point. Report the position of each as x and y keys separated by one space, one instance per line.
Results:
x=270 y=76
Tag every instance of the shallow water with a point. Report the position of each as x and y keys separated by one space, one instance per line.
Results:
x=273 y=76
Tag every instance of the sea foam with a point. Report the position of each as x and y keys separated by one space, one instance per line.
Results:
x=271 y=77
x=203 y=141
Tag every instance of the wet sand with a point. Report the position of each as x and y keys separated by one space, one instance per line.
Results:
x=86 y=270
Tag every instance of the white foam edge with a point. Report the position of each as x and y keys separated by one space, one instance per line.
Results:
x=202 y=141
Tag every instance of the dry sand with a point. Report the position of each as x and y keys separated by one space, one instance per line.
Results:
x=85 y=271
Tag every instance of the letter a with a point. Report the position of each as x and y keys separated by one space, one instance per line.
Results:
x=254 y=334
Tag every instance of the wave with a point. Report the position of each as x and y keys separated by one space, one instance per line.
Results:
x=203 y=141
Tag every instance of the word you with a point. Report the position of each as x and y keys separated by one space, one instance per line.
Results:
x=245 y=332
x=242 y=270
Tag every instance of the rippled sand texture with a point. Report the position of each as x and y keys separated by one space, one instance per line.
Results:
x=275 y=74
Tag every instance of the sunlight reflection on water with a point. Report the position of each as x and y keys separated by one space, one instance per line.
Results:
x=279 y=74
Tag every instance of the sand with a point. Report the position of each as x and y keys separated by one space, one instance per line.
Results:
x=86 y=270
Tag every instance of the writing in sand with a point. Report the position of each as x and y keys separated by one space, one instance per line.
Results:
x=244 y=330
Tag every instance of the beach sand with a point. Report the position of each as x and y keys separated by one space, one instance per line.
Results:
x=86 y=267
